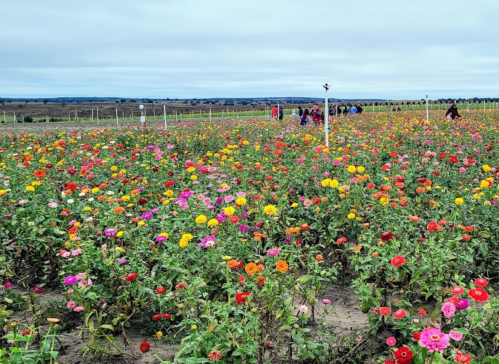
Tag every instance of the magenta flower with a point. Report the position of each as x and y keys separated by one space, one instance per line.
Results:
x=243 y=228
x=463 y=304
x=434 y=340
x=71 y=305
x=69 y=281
x=391 y=341
x=7 y=285
x=110 y=232
x=147 y=216
x=326 y=301
x=274 y=252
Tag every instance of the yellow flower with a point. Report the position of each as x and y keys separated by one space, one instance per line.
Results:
x=95 y=190
x=191 y=169
x=241 y=201
x=326 y=182
x=183 y=243
x=351 y=169
x=188 y=237
x=141 y=223
x=360 y=169
x=294 y=204
x=30 y=189
x=114 y=169
x=212 y=222
x=486 y=168
x=169 y=193
x=270 y=210
x=459 y=201
x=351 y=216
x=194 y=177
x=3 y=192
x=229 y=211
x=384 y=201
x=484 y=184
x=201 y=219
x=119 y=233
x=159 y=335
x=334 y=183
x=194 y=327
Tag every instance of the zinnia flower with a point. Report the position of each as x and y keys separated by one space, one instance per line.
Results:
x=69 y=281
x=282 y=266
x=478 y=294
x=214 y=355
x=462 y=358
x=455 y=335
x=145 y=347
x=403 y=355
x=399 y=314
x=398 y=260
x=391 y=341
x=434 y=340
x=448 y=309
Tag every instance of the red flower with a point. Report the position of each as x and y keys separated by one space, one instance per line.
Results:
x=442 y=155
x=169 y=184
x=384 y=311
x=214 y=355
x=40 y=173
x=234 y=219
x=422 y=312
x=453 y=300
x=371 y=185
x=462 y=358
x=400 y=314
x=181 y=285
x=341 y=240
x=141 y=201
x=398 y=260
x=71 y=186
x=66 y=212
x=389 y=362
x=403 y=355
x=304 y=227
x=241 y=298
x=145 y=347
x=481 y=282
x=167 y=316
x=457 y=291
x=393 y=154
x=49 y=165
x=478 y=294
x=131 y=277
x=416 y=336
x=432 y=226
x=160 y=290
x=156 y=317
x=386 y=235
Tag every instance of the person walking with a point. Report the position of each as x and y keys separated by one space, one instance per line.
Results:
x=281 y=113
x=300 y=111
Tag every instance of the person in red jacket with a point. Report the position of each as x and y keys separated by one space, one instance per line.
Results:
x=316 y=114
x=274 y=112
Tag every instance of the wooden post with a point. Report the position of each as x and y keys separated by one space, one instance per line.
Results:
x=117 y=124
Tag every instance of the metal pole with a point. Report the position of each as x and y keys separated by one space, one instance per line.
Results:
x=164 y=112
x=117 y=124
x=427 y=116
x=92 y=115
x=210 y=115
x=97 y=116
x=326 y=121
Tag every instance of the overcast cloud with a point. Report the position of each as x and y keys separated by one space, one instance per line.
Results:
x=219 y=48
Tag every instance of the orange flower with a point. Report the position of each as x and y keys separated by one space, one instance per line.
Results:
x=40 y=173
x=260 y=280
x=261 y=267
x=100 y=198
x=118 y=210
x=282 y=266
x=233 y=264
x=251 y=268
x=420 y=189
x=319 y=257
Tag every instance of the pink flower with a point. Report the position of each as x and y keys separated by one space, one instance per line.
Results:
x=448 y=309
x=326 y=301
x=274 y=252
x=391 y=341
x=81 y=276
x=78 y=309
x=71 y=305
x=434 y=340
x=303 y=309
x=456 y=336
x=399 y=314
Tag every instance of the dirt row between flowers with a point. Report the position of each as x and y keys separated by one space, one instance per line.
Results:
x=344 y=319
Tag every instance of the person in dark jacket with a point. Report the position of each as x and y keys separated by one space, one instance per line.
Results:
x=300 y=111
x=281 y=113
x=345 y=111
x=359 y=109
x=452 y=112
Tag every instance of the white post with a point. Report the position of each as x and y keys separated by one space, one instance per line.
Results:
x=200 y=114
x=468 y=105
x=210 y=115
x=97 y=116
x=4 y=119
x=15 y=119
x=76 y=115
x=373 y=106
x=483 y=105
x=164 y=112
x=132 y=115
x=117 y=124
x=277 y=111
x=427 y=116
x=92 y=115
x=228 y=116
x=326 y=117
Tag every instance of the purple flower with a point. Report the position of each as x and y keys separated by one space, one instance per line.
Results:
x=110 y=232
x=69 y=281
x=244 y=215
x=220 y=219
x=147 y=216
x=155 y=210
x=161 y=238
x=287 y=240
x=243 y=228
x=38 y=289
x=186 y=194
x=463 y=304
x=219 y=200
x=122 y=261
x=7 y=285
x=151 y=147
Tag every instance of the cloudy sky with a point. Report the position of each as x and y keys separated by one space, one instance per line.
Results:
x=219 y=48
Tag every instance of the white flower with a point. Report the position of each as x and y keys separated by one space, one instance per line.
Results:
x=303 y=309
x=71 y=200
x=110 y=193
x=90 y=199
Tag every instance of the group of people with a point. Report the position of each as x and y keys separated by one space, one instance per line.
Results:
x=315 y=116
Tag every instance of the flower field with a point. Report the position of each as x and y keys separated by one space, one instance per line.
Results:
x=232 y=240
